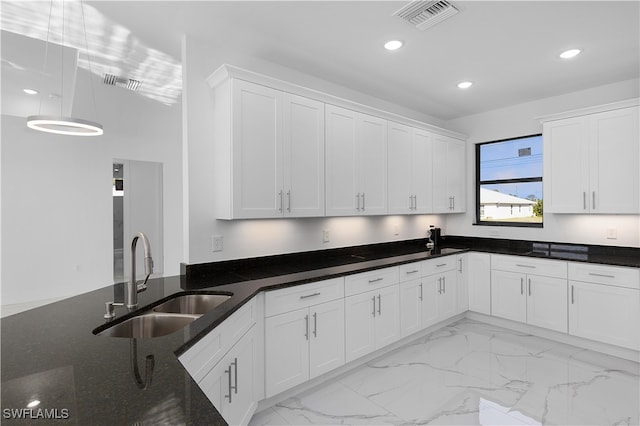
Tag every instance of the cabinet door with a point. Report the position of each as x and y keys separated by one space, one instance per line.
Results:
x=411 y=296
x=372 y=164
x=257 y=150
x=303 y=157
x=547 y=302
x=456 y=166
x=605 y=313
x=432 y=287
x=421 y=173
x=478 y=273
x=326 y=341
x=613 y=162
x=399 y=161
x=448 y=301
x=286 y=350
x=341 y=136
x=566 y=188
x=508 y=298
x=387 y=316
x=238 y=409
x=359 y=318
x=449 y=157
x=462 y=282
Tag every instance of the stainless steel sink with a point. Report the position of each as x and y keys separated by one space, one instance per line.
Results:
x=191 y=303
x=149 y=324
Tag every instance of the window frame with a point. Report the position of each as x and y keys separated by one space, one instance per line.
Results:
x=479 y=183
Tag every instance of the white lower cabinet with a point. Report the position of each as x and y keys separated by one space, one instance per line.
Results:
x=608 y=308
x=520 y=295
x=372 y=321
x=476 y=272
x=230 y=384
x=303 y=344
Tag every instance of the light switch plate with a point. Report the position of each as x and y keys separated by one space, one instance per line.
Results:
x=612 y=233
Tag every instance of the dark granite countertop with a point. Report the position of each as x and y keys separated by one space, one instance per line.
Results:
x=50 y=353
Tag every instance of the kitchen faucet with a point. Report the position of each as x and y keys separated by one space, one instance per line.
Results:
x=131 y=295
x=133 y=288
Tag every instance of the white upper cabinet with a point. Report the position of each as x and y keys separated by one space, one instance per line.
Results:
x=591 y=163
x=356 y=163
x=277 y=155
x=449 y=165
x=409 y=170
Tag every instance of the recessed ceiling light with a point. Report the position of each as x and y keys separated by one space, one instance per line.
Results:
x=30 y=91
x=571 y=53
x=465 y=85
x=393 y=45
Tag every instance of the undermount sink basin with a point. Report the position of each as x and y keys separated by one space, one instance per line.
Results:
x=167 y=317
x=148 y=325
x=191 y=303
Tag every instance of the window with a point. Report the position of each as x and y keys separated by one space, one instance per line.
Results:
x=509 y=182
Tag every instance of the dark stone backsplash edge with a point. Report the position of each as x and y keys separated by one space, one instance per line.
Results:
x=230 y=271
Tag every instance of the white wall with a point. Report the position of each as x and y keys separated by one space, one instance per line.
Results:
x=250 y=238
x=520 y=120
x=57 y=198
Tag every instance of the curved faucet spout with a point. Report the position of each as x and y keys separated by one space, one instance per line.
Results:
x=131 y=300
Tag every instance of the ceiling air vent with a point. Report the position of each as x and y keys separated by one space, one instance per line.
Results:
x=125 y=83
x=424 y=14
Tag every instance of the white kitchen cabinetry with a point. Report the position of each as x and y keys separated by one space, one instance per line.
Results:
x=530 y=290
x=269 y=153
x=372 y=318
x=356 y=163
x=230 y=385
x=449 y=165
x=409 y=170
x=431 y=298
x=462 y=275
x=306 y=342
x=605 y=304
x=477 y=273
x=591 y=163
x=224 y=364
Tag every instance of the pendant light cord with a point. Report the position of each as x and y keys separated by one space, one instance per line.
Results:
x=46 y=56
x=86 y=45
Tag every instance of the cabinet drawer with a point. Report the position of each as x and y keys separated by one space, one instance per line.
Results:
x=441 y=264
x=302 y=296
x=410 y=271
x=603 y=274
x=211 y=348
x=365 y=281
x=529 y=265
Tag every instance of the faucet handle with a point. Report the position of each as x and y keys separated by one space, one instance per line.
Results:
x=141 y=287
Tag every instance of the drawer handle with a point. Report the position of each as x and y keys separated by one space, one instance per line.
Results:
x=375 y=280
x=412 y=272
x=601 y=275
x=310 y=295
x=525 y=266
x=306 y=327
x=440 y=265
x=379 y=306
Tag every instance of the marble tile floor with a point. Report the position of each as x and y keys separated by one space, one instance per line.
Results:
x=471 y=373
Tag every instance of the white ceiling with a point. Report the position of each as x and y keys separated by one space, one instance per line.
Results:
x=509 y=49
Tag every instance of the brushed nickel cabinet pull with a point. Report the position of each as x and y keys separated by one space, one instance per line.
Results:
x=235 y=373
x=593 y=197
x=358 y=201
x=521 y=285
x=413 y=271
x=280 y=198
x=572 y=298
x=363 y=204
x=375 y=280
x=317 y=293
x=421 y=295
x=306 y=327
x=444 y=284
x=374 y=306
x=529 y=286
x=379 y=305
x=439 y=285
x=525 y=266
x=460 y=265
x=601 y=275
x=289 y=201
x=440 y=265
x=584 y=200
x=315 y=324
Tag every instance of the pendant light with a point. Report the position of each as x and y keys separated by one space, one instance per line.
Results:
x=60 y=124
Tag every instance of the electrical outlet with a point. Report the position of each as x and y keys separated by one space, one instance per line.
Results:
x=325 y=236
x=217 y=243
x=612 y=233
